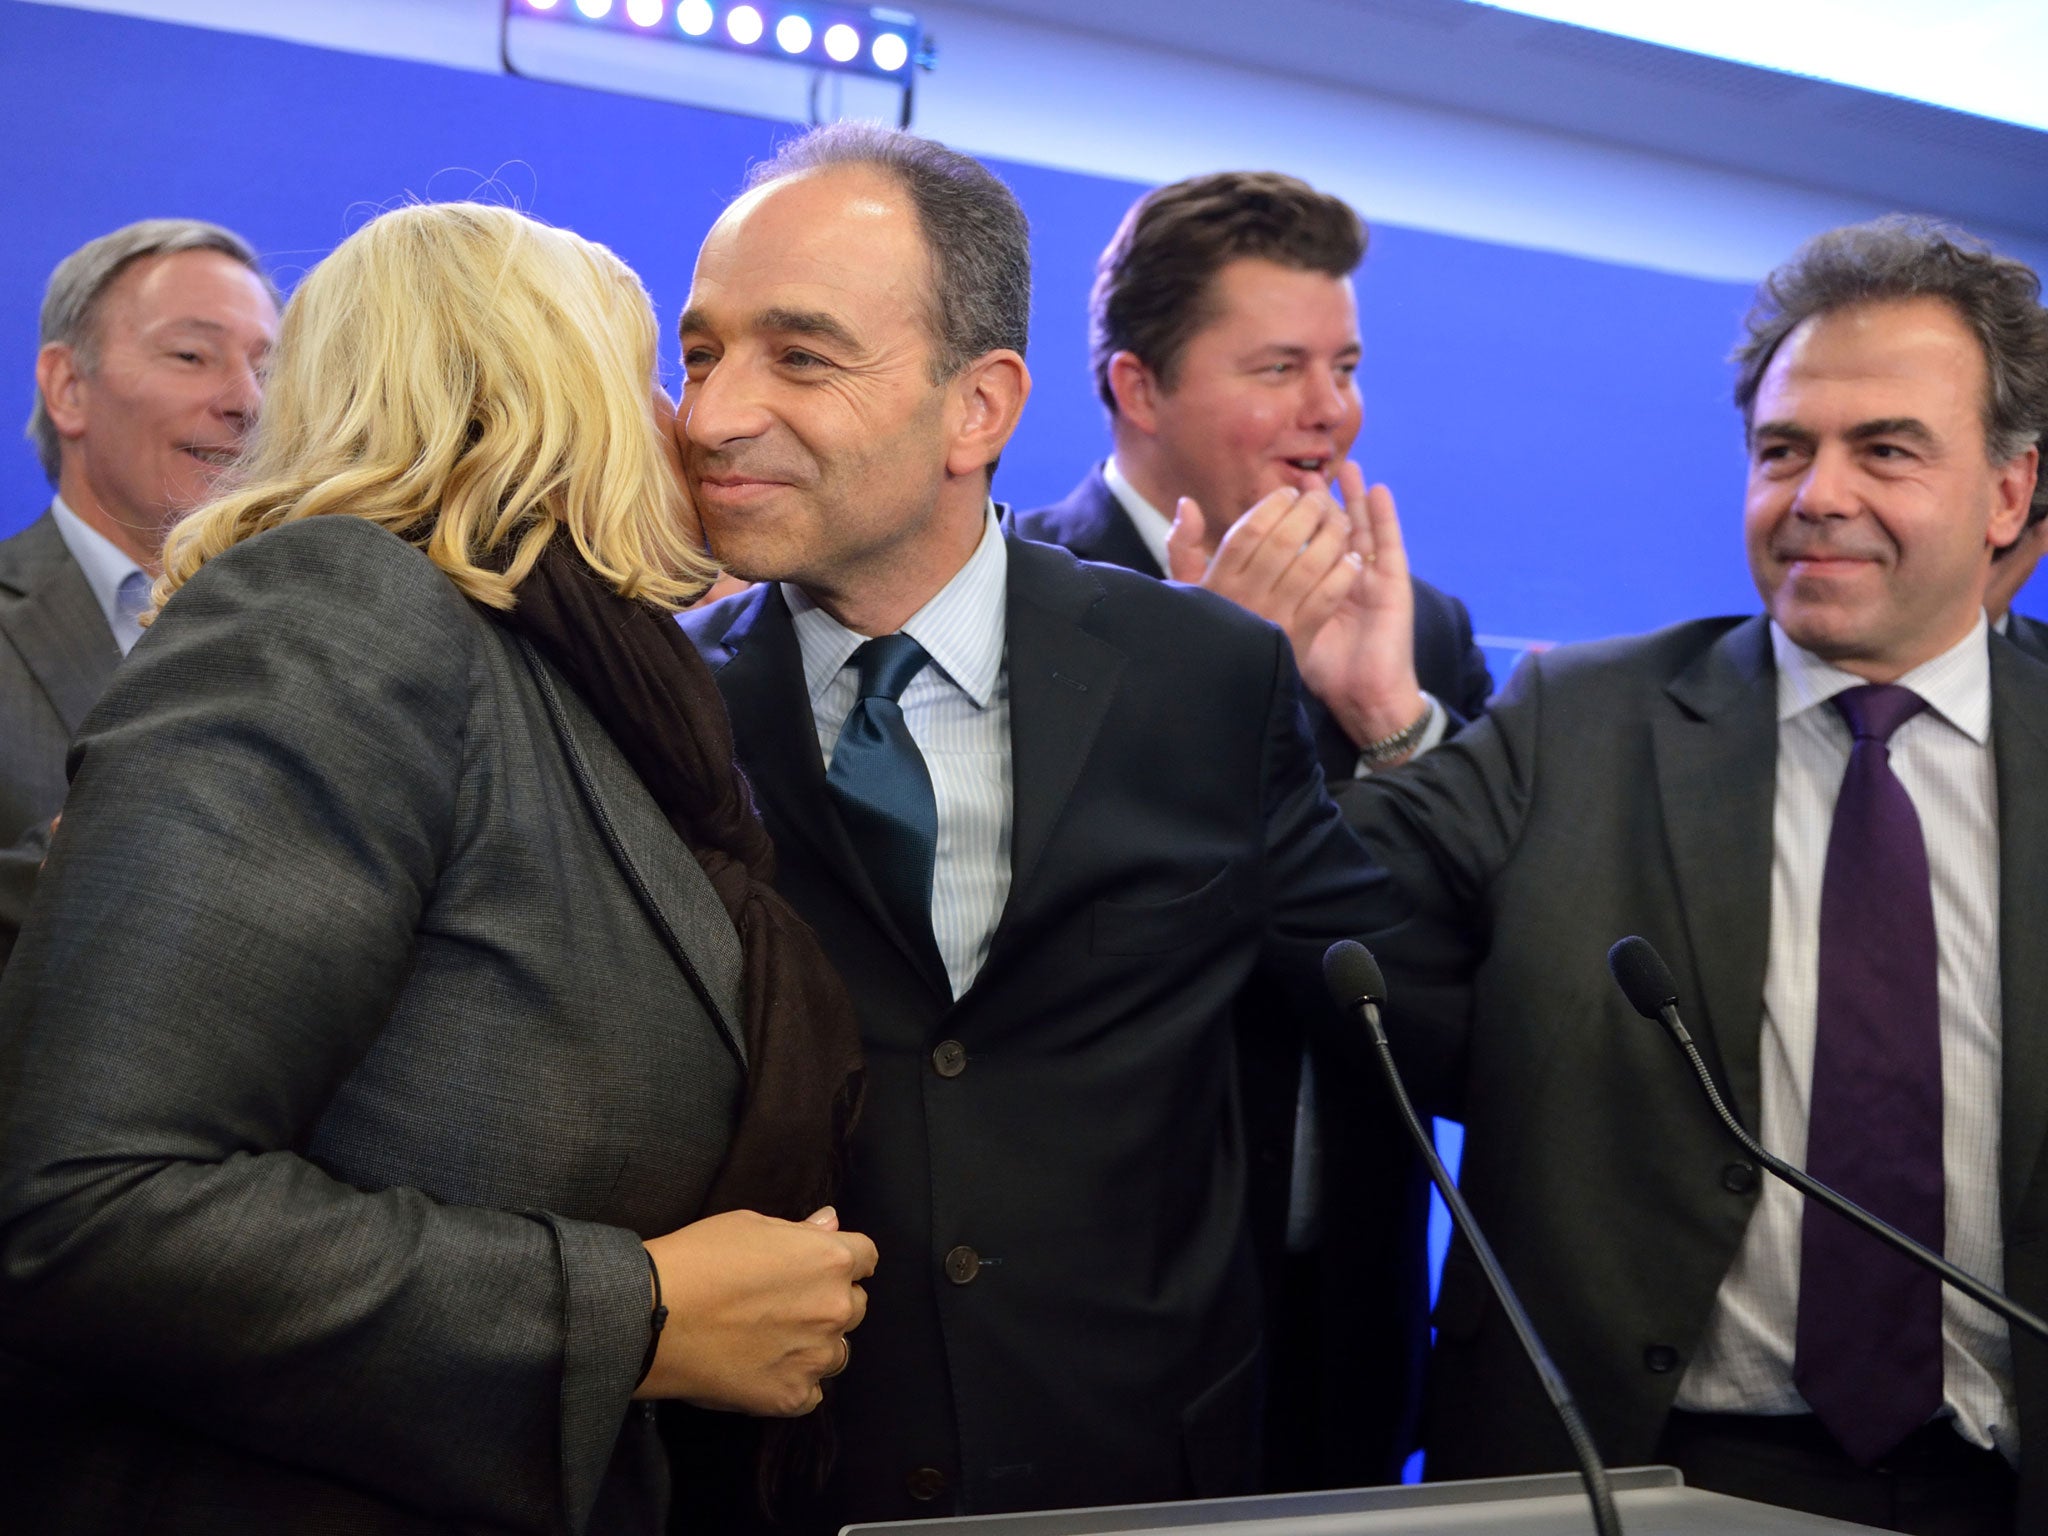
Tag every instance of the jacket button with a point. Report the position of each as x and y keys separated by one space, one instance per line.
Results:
x=962 y=1265
x=1660 y=1358
x=1738 y=1178
x=925 y=1484
x=950 y=1058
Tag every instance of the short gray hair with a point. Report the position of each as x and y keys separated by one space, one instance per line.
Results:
x=973 y=228
x=1901 y=257
x=77 y=288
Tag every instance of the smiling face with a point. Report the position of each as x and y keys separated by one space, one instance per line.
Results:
x=1873 y=508
x=1263 y=396
x=145 y=432
x=820 y=451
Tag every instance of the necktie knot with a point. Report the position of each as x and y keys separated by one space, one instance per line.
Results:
x=1875 y=710
x=132 y=596
x=887 y=664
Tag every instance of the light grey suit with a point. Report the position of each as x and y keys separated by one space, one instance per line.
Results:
x=56 y=654
x=369 y=1009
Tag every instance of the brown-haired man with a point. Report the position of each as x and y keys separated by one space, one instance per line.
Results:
x=1824 y=816
x=1225 y=344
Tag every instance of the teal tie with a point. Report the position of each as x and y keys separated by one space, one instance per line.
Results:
x=883 y=790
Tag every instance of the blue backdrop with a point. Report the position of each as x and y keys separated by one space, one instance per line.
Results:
x=1557 y=430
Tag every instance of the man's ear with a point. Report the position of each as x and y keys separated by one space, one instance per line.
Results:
x=988 y=399
x=1136 y=390
x=61 y=382
x=2015 y=494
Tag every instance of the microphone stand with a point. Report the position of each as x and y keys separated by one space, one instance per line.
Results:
x=1805 y=1183
x=1591 y=1469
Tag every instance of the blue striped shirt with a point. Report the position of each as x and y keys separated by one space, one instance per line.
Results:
x=958 y=712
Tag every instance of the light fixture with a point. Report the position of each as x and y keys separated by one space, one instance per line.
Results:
x=793 y=34
x=829 y=60
x=889 y=51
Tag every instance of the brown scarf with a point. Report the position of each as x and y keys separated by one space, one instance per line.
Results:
x=650 y=689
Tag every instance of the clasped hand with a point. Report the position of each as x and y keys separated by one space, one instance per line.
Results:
x=758 y=1310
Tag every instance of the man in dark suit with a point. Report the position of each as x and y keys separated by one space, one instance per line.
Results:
x=1825 y=821
x=2009 y=574
x=1225 y=339
x=1042 y=932
x=149 y=372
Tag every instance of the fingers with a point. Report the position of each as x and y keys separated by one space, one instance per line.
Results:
x=865 y=1256
x=824 y=1216
x=1186 y=558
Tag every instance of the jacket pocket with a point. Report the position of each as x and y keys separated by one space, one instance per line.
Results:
x=1152 y=927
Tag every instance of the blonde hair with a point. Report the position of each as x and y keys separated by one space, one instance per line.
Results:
x=470 y=379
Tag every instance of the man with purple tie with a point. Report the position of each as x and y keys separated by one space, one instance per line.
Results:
x=1826 y=819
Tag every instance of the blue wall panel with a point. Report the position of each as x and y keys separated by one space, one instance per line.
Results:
x=1557 y=430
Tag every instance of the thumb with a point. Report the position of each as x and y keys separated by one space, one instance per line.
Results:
x=1184 y=558
x=824 y=1216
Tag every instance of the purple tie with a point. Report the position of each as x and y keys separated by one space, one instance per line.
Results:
x=1869 y=1343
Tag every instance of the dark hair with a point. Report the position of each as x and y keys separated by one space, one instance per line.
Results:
x=1153 y=282
x=1898 y=257
x=978 y=237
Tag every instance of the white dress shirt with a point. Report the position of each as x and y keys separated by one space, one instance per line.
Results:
x=1943 y=758
x=957 y=710
x=119 y=585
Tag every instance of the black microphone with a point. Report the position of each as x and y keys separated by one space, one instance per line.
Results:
x=1355 y=984
x=1646 y=982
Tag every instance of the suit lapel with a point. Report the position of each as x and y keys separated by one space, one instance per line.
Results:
x=1062 y=683
x=1104 y=530
x=1716 y=754
x=675 y=893
x=777 y=738
x=57 y=627
x=2019 y=745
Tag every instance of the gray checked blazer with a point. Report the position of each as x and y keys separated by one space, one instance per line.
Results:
x=368 y=1015
x=56 y=654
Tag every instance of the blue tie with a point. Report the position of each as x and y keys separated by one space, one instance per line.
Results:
x=883 y=789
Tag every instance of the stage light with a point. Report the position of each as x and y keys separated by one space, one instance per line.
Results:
x=890 y=52
x=791 y=60
x=842 y=43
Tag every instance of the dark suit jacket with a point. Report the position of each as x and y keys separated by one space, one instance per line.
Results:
x=345 y=1053
x=2030 y=635
x=1627 y=787
x=1347 y=1378
x=56 y=654
x=1065 y=1311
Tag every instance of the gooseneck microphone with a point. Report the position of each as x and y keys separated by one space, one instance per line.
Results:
x=1646 y=982
x=1355 y=985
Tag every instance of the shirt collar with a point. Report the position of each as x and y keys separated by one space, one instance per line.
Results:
x=1151 y=524
x=105 y=564
x=1956 y=684
x=961 y=628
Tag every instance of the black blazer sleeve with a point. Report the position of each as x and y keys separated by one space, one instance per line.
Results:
x=261 y=806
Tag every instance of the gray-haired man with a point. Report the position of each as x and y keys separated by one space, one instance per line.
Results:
x=148 y=375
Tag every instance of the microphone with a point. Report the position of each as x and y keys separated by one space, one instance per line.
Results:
x=1355 y=985
x=1646 y=982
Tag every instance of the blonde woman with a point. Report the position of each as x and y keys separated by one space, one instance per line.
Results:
x=404 y=1025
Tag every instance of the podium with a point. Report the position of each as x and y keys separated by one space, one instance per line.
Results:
x=1652 y=1501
